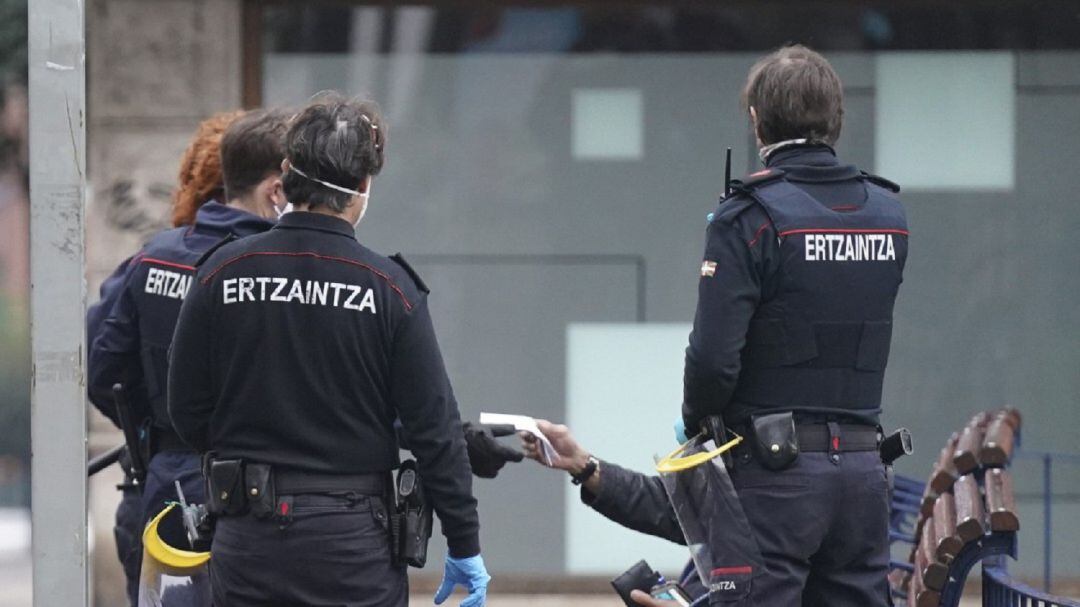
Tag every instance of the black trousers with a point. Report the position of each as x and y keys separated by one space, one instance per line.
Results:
x=823 y=529
x=128 y=535
x=327 y=550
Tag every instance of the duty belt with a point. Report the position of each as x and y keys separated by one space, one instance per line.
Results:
x=292 y=482
x=849 y=437
x=816 y=437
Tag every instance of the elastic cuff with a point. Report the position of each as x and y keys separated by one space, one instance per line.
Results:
x=611 y=479
x=463 y=547
x=588 y=497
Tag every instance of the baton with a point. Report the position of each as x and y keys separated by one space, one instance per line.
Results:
x=131 y=434
x=104 y=460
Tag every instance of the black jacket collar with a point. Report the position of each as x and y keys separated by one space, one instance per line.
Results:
x=814 y=163
x=303 y=220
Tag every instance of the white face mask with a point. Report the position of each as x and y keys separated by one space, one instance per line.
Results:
x=365 y=197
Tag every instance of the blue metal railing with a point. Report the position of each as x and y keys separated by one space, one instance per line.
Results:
x=1047 y=458
x=1000 y=590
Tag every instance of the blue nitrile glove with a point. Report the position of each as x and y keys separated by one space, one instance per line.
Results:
x=680 y=431
x=470 y=573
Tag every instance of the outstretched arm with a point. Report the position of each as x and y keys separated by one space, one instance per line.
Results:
x=634 y=500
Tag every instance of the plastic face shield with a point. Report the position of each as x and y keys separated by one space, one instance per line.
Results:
x=170 y=576
x=721 y=543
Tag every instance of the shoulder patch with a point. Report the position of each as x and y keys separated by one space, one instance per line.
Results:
x=881 y=181
x=213 y=249
x=400 y=260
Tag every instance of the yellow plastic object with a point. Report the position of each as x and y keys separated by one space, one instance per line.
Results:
x=674 y=463
x=165 y=554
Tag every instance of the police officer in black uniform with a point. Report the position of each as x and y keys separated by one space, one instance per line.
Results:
x=294 y=353
x=131 y=328
x=795 y=304
x=802 y=266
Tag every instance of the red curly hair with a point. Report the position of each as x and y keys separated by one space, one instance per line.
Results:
x=200 y=178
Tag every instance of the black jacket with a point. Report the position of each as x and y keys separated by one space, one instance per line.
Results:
x=130 y=329
x=299 y=347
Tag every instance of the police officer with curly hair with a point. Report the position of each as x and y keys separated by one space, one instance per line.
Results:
x=295 y=352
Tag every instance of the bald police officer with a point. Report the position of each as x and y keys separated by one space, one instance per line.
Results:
x=295 y=352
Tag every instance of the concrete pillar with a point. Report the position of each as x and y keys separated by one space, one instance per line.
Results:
x=155 y=69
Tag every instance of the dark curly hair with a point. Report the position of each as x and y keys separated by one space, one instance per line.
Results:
x=337 y=140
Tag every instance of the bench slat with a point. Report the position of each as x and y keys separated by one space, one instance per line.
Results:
x=1013 y=418
x=936 y=573
x=966 y=457
x=926 y=507
x=944 y=474
x=997 y=447
x=928 y=598
x=916 y=586
x=948 y=542
x=1000 y=501
x=970 y=515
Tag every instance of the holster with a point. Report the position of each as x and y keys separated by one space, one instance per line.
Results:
x=775 y=442
x=225 y=486
x=410 y=524
x=259 y=490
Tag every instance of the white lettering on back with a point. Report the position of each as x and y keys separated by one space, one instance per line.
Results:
x=295 y=291
x=849 y=247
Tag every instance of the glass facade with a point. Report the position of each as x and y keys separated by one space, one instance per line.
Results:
x=550 y=169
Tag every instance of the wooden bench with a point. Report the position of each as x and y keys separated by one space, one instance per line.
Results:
x=967 y=511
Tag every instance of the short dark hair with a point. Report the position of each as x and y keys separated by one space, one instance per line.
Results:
x=252 y=148
x=337 y=140
x=796 y=94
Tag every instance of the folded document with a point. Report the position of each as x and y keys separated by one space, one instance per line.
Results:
x=523 y=423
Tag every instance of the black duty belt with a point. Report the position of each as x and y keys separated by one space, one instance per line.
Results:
x=292 y=482
x=850 y=437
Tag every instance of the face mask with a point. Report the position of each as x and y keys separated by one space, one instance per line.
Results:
x=363 y=211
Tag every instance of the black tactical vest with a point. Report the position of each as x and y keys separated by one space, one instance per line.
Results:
x=820 y=339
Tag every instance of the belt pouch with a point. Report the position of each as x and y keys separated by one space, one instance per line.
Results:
x=259 y=490
x=226 y=488
x=775 y=441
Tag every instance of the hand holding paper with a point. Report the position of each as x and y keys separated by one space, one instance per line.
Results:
x=524 y=423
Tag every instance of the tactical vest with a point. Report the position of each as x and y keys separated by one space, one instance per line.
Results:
x=820 y=337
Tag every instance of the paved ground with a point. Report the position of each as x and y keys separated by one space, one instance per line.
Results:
x=15 y=592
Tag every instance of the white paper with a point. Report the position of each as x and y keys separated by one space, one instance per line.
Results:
x=524 y=423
